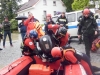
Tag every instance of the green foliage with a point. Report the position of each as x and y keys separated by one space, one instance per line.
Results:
x=8 y=8
x=79 y=4
x=68 y=3
x=91 y=6
x=14 y=24
x=42 y=25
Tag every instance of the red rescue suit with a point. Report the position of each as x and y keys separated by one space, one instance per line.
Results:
x=53 y=28
x=69 y=54
x=29 y=24
x=63 y=40
x=29 y=43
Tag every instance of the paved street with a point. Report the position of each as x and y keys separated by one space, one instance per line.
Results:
x=9 y=54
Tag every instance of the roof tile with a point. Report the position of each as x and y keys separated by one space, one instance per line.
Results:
x=28 y=4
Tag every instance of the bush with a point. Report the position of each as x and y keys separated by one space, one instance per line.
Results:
x=42 y=25
x=14 y=24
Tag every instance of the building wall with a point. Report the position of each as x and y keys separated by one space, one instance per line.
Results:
x=39 y=8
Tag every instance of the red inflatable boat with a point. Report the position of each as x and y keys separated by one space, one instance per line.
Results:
x=34 y=66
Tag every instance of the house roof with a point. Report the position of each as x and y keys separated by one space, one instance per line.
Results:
x=28 y=4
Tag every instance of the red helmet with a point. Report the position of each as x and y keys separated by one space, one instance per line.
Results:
x=86 y=11
x=56 y=52
x=48 y=15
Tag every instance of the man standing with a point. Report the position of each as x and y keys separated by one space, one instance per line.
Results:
x=6 y=27
x=30 y=22
x=62 y=20
x=22 y=29
x=48 y=21
x=88 y=27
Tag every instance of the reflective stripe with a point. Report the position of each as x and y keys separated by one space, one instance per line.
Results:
x=62 y=20
x=66 y=24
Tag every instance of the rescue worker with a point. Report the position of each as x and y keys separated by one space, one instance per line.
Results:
x=48 y=21
x=29 y=43
x=87 y=27
x=91 y=13
x=22 y=29
x=30 y=22
x=70 y=56
x=59 y=35
x=62 y=20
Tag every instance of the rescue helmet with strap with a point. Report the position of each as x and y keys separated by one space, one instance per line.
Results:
x=33 y=34
x=86 y=11
x=62 y=31
x=56 y=52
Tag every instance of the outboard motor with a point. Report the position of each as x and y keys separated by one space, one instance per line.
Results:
x=46 y=45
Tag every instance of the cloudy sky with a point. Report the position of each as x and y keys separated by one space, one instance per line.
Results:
x=23 y=1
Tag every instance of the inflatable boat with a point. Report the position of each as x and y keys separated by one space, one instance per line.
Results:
x=27 y=65
x=34 y=65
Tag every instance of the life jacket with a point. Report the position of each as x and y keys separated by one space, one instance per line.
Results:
x=64 y=59
x=38 y=28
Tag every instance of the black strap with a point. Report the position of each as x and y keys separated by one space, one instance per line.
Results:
x=88 y=26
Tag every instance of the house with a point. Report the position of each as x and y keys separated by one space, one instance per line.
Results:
x=40 y=8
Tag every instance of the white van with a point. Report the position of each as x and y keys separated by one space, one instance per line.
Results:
x=72 y=22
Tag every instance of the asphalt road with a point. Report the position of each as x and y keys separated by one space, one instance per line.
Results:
x=10 y=54
x=95 y=56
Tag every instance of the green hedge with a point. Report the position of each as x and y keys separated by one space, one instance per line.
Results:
x=14 y=25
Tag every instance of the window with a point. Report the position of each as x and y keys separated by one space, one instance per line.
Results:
x=79 y=14
x=44 y=14
x=54 y=3
x=71 y=17
x=54 y=12
x=44 y=2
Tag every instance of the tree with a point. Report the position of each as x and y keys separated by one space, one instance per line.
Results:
x=79 y=4
x=8 y=8
x=68 y=3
